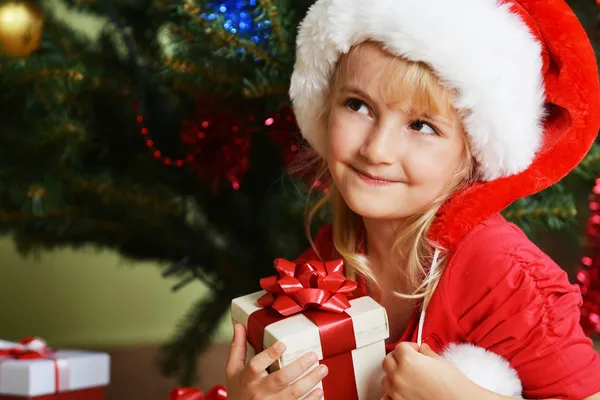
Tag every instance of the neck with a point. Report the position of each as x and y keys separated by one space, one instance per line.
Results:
x=381 y=235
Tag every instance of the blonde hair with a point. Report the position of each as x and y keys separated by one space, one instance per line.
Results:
x=412 y=246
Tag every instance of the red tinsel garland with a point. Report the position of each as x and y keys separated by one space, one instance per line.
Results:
x=283 y=130
x=218 y=142
x=588 y=275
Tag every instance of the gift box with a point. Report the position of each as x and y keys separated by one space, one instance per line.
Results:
x=31 y=370
x=311 y=307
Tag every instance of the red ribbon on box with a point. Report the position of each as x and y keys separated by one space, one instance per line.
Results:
x=321 y=291
x=31 y=348
x=216 y=393
x=96 y=393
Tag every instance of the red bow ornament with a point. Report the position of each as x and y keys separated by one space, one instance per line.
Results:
x=216 y=393
x=311 y=284
x=28 y=348
x=33 y=348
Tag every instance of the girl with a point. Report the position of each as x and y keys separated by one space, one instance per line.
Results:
x=430 y=117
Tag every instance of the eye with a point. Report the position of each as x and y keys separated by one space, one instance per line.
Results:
x=357 y=106
x=423 y=127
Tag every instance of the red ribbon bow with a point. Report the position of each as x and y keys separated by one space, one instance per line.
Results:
x=216 y=393
x=311 y=284
x=28 y=348
x=32 y=348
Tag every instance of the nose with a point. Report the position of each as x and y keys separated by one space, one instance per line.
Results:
x=381 y=146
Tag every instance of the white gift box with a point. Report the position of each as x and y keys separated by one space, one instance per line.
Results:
x=301 y=335
x=56 y=372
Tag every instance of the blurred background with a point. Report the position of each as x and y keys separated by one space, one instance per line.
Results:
x=145 y=148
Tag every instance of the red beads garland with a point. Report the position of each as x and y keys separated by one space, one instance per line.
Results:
x=168 y=161
x=218 y=142
x=588 y=276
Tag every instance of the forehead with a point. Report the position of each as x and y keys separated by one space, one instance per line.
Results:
x=364 y=64
x=393 y=80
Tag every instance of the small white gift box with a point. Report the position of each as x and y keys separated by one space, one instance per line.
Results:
x=354 y=373
x=29 y=369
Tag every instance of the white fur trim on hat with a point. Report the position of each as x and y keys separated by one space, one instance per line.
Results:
x=485 y=368
x=479 y=47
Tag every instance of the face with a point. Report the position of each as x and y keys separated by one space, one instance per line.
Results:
x=388 y=161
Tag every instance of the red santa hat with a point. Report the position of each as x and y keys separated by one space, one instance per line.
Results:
x=490 y=51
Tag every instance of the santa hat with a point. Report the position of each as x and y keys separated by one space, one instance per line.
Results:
x=490 y=51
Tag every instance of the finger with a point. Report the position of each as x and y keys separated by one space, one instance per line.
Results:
x=426 y=350
x=315 y=394
x=305 y=384
x=389 y=364
x=282 y=378
x=387 y=385
x=412 y=346
x=403 y=349
x=260 y=362
x=237 y=350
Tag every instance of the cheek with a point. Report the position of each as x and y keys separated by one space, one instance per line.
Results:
x=432 y=167
x=344 y=138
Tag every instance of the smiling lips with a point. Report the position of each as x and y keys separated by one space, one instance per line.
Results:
x=373 y=180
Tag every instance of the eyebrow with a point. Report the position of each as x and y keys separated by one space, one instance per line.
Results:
x=356 y=90
x=438 y=119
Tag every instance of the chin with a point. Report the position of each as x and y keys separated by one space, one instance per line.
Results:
x=377 y=208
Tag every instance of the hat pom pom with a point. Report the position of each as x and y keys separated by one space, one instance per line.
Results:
x=485 y=368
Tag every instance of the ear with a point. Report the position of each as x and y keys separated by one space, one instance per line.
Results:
x=485 y=368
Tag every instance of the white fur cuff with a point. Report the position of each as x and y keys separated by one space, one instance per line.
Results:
x=485 y=368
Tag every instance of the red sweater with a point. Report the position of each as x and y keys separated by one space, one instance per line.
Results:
x=500 y=292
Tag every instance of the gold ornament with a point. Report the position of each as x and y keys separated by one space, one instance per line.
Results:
x=21 y=24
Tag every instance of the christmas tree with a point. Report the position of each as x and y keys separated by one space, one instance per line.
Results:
x=161 y=129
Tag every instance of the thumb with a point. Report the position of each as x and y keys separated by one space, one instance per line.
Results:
x=237 y=351
x=427 y=351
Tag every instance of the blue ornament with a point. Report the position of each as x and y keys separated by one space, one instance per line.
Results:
x=239 y=18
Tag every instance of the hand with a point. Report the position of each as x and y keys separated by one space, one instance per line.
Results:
x=414 y=373
x=252 y=381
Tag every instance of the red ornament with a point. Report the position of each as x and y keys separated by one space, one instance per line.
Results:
x=283 y=130
x=216 y=393
x=218 y=142
x=588 y=276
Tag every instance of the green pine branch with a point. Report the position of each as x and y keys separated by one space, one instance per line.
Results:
x=193 y=334
x=589 y=168
x=226 y=45
x=555 y=212
x=273 y=13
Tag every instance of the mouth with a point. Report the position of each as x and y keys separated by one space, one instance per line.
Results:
x=372 y=179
